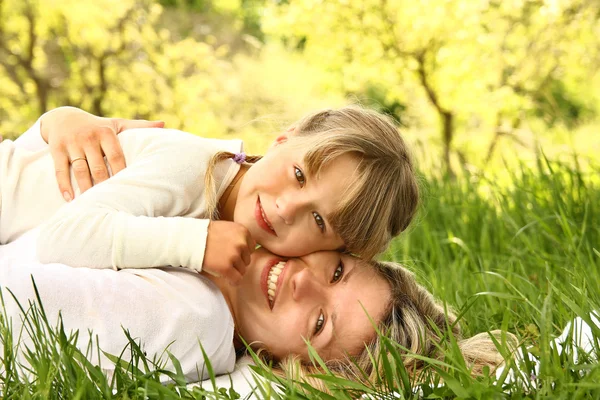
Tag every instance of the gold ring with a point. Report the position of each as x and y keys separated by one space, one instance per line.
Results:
x=78 y=158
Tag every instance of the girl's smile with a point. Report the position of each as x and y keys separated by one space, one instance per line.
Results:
x=285 y=207
x=261 y=218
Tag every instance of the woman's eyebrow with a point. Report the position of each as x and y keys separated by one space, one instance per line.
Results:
x=334 y=315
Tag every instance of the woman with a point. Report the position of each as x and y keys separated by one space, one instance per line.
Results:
x=324 y=297
x=279 y=303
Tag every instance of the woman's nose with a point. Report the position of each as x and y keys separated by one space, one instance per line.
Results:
x=306 y=286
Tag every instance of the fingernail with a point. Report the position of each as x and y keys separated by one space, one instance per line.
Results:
x=67 y=196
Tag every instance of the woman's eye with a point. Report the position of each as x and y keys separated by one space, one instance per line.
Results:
x=320 y=323
x=319 y=220
x=338 y=273
x=299 y=176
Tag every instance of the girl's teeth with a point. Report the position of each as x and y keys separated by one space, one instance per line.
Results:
x=262 y=212
x=271 y=292
x=272 y=285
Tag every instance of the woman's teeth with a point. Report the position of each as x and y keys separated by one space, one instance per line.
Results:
x=272 y=280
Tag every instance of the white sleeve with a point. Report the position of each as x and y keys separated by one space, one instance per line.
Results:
x=32 y=138
x=147 y=215
x=576 y=337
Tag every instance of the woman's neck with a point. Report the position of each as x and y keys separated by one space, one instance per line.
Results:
x=229 y=293
x=227 y=201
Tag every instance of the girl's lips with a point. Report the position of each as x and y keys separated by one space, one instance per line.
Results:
x=258 y=215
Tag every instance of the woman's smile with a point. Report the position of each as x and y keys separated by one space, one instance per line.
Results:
x=324 y=297
x=273 y=281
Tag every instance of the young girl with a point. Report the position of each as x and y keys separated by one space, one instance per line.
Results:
x=336 y=179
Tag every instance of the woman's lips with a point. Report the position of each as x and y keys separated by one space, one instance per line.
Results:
x=261 y=218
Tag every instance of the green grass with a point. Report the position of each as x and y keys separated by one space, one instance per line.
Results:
x=523 y=256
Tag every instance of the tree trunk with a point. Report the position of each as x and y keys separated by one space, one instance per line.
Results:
x=448 y=135
x=446 y=116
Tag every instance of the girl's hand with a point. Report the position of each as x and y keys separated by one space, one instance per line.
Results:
x=83 y=140
x=228 y=249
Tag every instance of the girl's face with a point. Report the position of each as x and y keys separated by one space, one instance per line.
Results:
x=285 y=208
x=324 y=297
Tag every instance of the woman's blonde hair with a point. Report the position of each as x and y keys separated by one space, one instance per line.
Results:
x=385 y=196
x=418 y=323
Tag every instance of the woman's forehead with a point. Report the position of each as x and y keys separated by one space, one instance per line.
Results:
x=358 y=307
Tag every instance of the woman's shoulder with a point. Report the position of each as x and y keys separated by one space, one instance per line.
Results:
x=191 y=293
x=197 y=309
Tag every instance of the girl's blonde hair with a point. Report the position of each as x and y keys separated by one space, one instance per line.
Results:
x=385 y=196
x=414 y=320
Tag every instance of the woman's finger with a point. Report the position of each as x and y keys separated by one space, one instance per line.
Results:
x=95 y=161
x=124 y=124
x=62 y=171
x=80 y=169
x=113 y=152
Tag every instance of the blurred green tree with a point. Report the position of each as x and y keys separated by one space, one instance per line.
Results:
x=107 y=56
x=487 y=61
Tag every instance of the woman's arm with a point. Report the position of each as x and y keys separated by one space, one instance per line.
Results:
x=73 y=133
x=32 y=140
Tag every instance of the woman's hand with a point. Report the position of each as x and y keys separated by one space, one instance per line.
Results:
x=229 y=246
x=82 y=140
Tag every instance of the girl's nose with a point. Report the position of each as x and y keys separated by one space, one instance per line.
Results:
x=287 y=207
x=306 y=286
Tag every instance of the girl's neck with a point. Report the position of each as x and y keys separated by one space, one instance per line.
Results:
x=227 y=201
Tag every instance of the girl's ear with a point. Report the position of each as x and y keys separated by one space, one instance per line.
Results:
x=283 y=137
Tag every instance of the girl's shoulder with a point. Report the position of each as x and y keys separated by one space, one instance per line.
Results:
x=173 y=143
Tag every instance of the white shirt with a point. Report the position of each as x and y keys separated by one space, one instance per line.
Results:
x=151 y=214
x=166 y=308
x=163 y=308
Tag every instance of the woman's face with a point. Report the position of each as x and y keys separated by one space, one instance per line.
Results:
x=323 y=297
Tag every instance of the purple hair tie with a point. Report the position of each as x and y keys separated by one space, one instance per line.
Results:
x=239 y=158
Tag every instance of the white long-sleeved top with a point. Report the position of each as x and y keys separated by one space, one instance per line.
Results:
x=162 y=308
x=150 y=214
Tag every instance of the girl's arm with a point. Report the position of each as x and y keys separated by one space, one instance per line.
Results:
x=150 y=214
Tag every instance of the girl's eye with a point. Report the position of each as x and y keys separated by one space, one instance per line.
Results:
x=320 y=323
x=319 y=220
x=338 y=273
x=299 y=176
